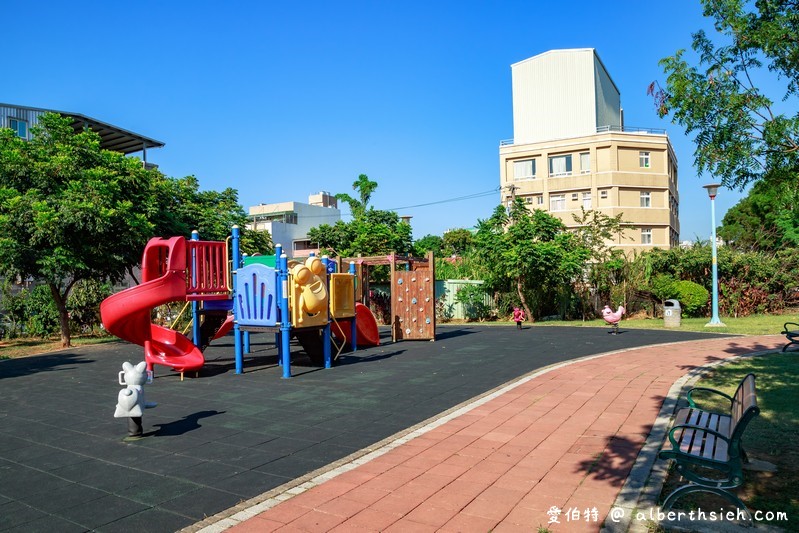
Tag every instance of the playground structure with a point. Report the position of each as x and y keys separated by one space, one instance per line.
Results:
x=173 y=269
x=309 y=294
x=413 y=302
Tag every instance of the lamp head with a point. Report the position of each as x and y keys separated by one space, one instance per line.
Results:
x=712 y=189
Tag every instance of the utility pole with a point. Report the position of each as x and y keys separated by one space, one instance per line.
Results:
x=512 y=188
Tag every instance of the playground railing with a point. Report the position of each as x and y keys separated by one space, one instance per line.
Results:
x=208 y=271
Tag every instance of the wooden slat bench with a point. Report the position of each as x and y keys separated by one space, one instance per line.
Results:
x=791 y=332
x=708 y=442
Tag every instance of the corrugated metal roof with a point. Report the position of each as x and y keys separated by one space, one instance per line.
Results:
x=111 y=137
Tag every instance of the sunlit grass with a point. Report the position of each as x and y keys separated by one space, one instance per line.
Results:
x=13 y=348
x=750 y=325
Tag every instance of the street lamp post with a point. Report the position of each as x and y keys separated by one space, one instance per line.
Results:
x=712 y=189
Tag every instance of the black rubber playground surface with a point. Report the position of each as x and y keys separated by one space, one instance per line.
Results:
x=221 y=438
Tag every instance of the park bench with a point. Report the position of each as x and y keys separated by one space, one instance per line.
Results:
x=706 y=445
x=791 y=333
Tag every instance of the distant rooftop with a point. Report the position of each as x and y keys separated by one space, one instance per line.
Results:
x=112 y=137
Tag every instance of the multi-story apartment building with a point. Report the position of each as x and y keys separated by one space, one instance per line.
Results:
x=289 y=222
x=571 y=150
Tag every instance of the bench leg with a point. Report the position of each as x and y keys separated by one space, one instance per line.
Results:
x=691 y=487
x=733 y=478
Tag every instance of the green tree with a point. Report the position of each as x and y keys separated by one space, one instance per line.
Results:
x=741 y=134
x=371 y=231
x=457 y=241
x=365 y=188
x=767 y=219
x=530 y=253
x=71 y=211
x=598 y=232
x=428 y=243
x=84 y=303
x=184 y=208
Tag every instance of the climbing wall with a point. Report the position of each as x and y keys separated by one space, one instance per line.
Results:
x=413 y=305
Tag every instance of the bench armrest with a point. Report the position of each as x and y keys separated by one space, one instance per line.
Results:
x=690 y=399
x=676 y=444
x=785 y=329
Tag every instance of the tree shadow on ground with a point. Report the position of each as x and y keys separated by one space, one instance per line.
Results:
x=452 y=333
x=24 y=366
x=614 y=463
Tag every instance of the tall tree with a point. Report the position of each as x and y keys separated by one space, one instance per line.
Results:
x=70 y=211
x=184 y=208
x=365 y=188
x=371 y=231
x=530 y=253
x=597 y=233
x=741 y=133
x=767 y=219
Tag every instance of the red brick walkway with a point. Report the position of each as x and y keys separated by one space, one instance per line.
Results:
x=566 y=437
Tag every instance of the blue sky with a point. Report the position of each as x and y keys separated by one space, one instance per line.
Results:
x=283 y=99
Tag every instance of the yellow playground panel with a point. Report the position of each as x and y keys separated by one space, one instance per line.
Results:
x=308 y=299
x=342 y=295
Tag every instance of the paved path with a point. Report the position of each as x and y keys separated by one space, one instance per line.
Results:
x=225 y=442
x=566 y=437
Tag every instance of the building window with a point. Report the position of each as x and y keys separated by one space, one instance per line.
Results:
x=574 y=196
x=644 y=159
x=539 y=200
x=557 y=202
x=603 y=195
x=288 y=217
x=528 y=199
x=587 y=200
x=646 y=236
x=585 y=163
x=19 y=126
x=646 y=199
x=303 y=245
x=524 y=169
x=560 y=165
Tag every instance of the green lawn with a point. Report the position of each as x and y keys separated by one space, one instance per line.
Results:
x=750 y=325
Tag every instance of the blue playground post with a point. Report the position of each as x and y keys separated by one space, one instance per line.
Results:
x=278 y=253
x=285 y=317
x=354 y=329
x=239 y=353
x=326 y=331
x=195 y=305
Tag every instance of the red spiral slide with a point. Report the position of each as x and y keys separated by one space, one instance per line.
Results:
x=127 y=314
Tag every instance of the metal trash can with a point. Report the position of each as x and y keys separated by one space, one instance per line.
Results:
x=672 y=314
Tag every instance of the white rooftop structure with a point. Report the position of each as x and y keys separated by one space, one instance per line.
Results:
x=561 y=94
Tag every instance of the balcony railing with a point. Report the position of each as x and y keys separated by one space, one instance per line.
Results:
x=610 y=128
x=631 y=129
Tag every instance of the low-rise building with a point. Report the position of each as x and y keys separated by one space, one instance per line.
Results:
x=289 y=222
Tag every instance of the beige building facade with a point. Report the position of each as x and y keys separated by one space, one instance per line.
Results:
x=289 y=222
x=564 y=161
